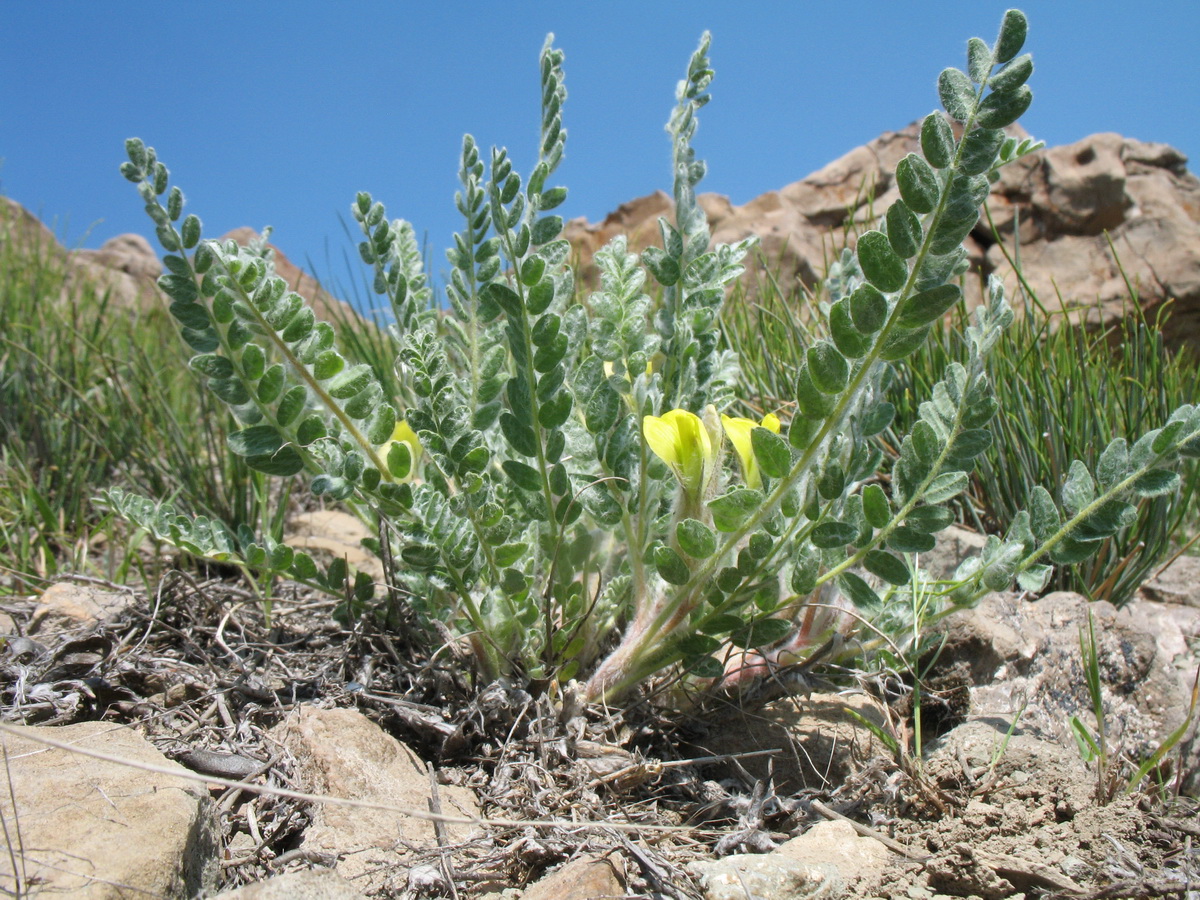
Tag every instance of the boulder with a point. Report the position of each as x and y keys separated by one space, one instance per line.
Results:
x=98 y=829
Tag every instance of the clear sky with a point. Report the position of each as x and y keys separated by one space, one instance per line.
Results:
x=277 y=113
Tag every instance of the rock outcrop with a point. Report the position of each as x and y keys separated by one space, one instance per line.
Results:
x=1082 y=213
x=126 y=267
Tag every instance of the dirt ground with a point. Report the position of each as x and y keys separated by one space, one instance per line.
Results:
x=984 y=814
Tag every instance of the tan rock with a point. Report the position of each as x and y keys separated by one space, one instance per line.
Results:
x=336 y=533
x=96 y=829
x=1069 y=200
x=859 y=860
x=342 y=753
x=1177 y=583
x=585 y=878
x=766 y=876
x=69 y=605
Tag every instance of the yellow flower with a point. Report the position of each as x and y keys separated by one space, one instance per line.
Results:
x=738 y=430
x=403 y=433
x=686 y=443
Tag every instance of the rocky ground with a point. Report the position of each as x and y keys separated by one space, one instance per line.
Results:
x=179 y=746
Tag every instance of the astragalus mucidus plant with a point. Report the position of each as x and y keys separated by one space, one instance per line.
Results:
x=558 y=478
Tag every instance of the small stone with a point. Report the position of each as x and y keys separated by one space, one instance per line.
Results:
x=767 y=877
x=581 y=879
x=859 y=860
x=65 y=606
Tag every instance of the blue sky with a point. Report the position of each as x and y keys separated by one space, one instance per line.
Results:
x=277 y=113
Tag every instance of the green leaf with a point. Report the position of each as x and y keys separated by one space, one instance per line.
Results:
x=257 y=440
x=212 y=365
x=310 y=430
x=664 y=268
x=1044 y=519
x=531 y=271
x=876 y=508
x=945 y=487
x=930 y=519
x=603 y=409
x=900 y=343
x=284 y=462
x=519 y=435
x=1113 y=465
x=928 y=306
x=957 y=94
x=231 y=390
x=1035 y=578
x=878 y=417
x=917 y=181
x=880 y=264
x=960 y=214
x=860 y=593
x=937 y=142
x=1002 y=108
x=888 y=567
x=831 y=482
x=546 y=229
x=771 y=451
x=555 y=411
x=903 y=230
x=1078 y=490
x=541 y=295
x=503 y=296
x=813 y=403
x=979 y=59
x=270 y=385
x=908 y=540
x=696 y=539
x=1000 y=571
x=831 y=535
x=979 y=150
x=1012 y=76
x=848 y=340
x=804 y=573
x=733 y=509
x=253 y=362
x=868 y=309
x=522 y=475
x=1068 y=551
x=1013 y=29
x=827 y=368
x=1156 y=482
x=399 y=459
x=291 y=405
x=971 y=443
x=671 y=566
x=1107 y=520
x=761 y=632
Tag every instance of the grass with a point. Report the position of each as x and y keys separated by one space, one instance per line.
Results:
x=94 y=395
